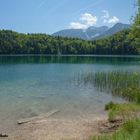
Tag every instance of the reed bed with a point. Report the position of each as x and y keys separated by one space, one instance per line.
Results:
x=119 y=83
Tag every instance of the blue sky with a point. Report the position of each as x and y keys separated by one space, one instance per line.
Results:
x=48 y=16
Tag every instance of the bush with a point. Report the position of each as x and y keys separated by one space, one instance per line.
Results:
x=109 y=106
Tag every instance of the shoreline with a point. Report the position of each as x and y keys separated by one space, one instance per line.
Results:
x=58 y=128
x=78 y=55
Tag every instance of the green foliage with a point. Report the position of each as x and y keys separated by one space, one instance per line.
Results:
x=135 y=29
x=110 y=105
x=124 y=111
x=15 y=43
x=129 y=131
x=131 y=93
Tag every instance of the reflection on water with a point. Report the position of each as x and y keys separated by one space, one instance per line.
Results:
x=70 y=59
x=34 y=85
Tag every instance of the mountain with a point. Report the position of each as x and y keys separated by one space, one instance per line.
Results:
x=92 y=32
x=116 y=28
x=87 y=34
x=72 y=33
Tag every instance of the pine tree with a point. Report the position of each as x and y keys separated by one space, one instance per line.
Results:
x=135 y=30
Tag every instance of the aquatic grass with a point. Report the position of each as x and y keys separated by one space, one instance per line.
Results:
x=130 y=93
x=129 y=131
x=120 y=83
x=113 y=79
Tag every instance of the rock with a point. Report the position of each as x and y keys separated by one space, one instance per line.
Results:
x=3 y=135
x=109 y=127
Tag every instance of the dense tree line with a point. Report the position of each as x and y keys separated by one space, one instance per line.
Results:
x=134 y=35
x=15 y=43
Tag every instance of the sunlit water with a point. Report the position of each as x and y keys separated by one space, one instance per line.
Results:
x=34 y=85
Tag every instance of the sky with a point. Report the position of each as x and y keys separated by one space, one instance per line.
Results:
x=49 y=16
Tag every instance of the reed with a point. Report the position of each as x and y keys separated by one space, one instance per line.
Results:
x=119 y=83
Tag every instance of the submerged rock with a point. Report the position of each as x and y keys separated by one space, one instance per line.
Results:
x=3 y=135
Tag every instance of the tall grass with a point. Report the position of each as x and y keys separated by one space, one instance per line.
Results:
x=113 y=79
x=119 y=83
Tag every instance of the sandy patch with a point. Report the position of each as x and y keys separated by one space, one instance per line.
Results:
x=57 y=129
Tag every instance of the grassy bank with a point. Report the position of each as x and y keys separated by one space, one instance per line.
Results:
x=126 y=111
x=129 y=131
x=126 y=85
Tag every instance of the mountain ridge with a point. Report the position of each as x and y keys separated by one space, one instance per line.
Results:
x=92 y=32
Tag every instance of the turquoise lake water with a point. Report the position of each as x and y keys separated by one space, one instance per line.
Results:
x=34 y=85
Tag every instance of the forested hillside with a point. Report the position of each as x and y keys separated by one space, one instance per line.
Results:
x=15 y=43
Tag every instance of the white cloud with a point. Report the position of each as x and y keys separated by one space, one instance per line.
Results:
x=89 y=19
x=86 y=20
x=114 y=19
x=109 y=19
x=77 y=25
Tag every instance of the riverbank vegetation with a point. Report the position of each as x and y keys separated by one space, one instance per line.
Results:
x=130 y=130
x=126 y=85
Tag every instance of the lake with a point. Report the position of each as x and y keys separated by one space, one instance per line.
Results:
x=34 y=85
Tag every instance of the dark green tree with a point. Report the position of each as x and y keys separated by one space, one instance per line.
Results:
x=135 y=29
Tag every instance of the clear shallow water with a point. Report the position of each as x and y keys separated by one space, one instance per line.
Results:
x=33 y=85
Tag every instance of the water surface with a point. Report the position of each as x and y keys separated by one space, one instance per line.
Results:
x=34 y=85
